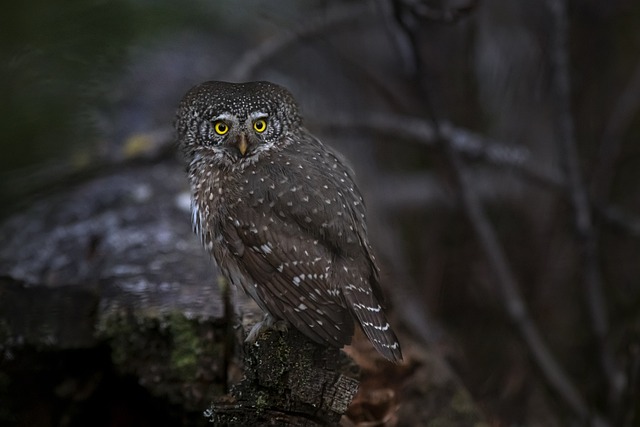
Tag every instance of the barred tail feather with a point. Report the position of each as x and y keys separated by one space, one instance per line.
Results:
x=370 y=315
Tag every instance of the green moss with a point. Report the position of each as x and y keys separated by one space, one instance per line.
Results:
x=132 y=336
x=262 y=402
x=120 y=330
x=169 y=353
x=186 y=347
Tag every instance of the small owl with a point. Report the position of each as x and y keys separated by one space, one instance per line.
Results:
x=281 y=213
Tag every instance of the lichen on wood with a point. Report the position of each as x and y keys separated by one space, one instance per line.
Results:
x=288 y=380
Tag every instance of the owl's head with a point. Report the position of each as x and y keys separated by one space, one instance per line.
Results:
x=231 y=123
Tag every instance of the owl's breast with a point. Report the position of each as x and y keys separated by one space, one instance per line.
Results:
x=208 y=203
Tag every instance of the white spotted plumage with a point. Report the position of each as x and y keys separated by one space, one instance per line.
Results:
x=281 y=213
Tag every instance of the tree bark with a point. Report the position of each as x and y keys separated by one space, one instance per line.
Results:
x=288 y=381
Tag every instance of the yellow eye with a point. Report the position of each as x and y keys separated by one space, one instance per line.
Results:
x=260 y=125
x=221 y=128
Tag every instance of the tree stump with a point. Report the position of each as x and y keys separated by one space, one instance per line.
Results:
x=288 y=381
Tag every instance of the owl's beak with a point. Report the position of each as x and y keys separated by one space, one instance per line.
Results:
x=242 y=144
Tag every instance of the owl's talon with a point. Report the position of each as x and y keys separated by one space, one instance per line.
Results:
x=269 y=322
x=253 y=334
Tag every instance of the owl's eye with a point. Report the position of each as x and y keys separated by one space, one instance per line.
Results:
x=260 y=125
x=221 y=128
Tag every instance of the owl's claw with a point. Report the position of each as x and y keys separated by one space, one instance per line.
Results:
x=269 y=322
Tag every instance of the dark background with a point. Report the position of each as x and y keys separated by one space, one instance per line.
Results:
x=495 y=142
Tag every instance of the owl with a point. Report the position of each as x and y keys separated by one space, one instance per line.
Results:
x=281 y=214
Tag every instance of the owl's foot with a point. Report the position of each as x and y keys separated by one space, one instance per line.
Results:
x=269 y=322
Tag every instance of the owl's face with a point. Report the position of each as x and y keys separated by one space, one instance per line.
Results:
x=232 y=124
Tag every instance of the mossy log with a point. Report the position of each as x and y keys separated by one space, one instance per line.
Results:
x=108 y=271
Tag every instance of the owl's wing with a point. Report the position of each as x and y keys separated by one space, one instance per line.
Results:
x=326 y=204
x=335 y=214
x=290 y=275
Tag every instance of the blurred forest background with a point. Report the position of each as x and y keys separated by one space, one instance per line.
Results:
x=496 y=143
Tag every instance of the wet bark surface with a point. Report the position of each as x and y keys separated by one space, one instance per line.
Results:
x=109 y=273
x=289 y=380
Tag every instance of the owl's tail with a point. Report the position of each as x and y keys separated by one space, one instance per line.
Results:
x=370 y=314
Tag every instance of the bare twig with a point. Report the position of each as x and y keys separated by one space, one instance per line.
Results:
x=398 y=192
x=509 y=289
x=469 y=144
x=399 y=39
x=254 y=58
x=583 y=222
x=514 y=303
x=473 y=146
x=400 y=126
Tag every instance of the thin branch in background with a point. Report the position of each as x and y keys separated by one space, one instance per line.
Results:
x=399 y=39
x=425 y=192
x=618 y=123
x=586 y=235
x=414 y=191
x=477 y=147
x=509 y=289
x=254 y=58
x=469 y=144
